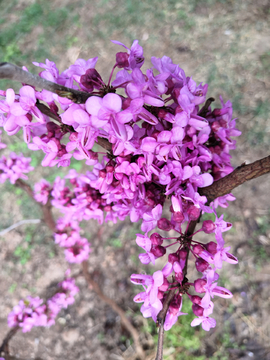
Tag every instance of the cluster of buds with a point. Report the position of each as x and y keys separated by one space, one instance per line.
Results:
x=163 y=146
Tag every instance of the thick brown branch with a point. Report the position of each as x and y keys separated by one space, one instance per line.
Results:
x=126 y=323
x=13 y=72
x=240 y=175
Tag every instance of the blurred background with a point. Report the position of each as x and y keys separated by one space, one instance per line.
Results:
x=222 y=43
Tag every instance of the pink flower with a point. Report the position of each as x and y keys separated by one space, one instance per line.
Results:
x=135 y=53
x=150 y=219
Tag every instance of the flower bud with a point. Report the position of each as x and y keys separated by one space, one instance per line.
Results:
x=91 y=79
x=211 y=247
x=183 y=254
x=197 y=249
x=208 y=226
x=175 y=304
x=179 y=277
x=172 y=258
x=158 y=251
x=199 y=285
x=126 y=103
x=197 y=310
x=193 y=213
x=196 y=299
x=164 y=224
x=109 y=168
x=156 y=239
x=164 y=286
x=178 y=217
x=122 y=59
x=102 y=173
x=201 y=265
x=215 y=126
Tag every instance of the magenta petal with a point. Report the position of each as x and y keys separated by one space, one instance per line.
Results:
x=81 y=117
x=187 y=172
x=17 y=110
x=149 y=144
x=157 y=211
x=165 y=150
x=222 y=292
x=22 y=120
x=196 y=322
x=11 y=124
x=96 y=122
x=124 y=116
x=177 y=134
x=158 y=278
x=29 y=92
x=112 y=102
x=197 y=124
x=181 y=119
x=48 y=158
x=164 y=136
x=93 y=105
x=10 y=96
x=175 y=204
x=71 y=146
x=208 y=323
x=231 y=258
x=153 y=101
x=207 y=179
x=148 y=117
x=119 y=43
x=167 y=270
x=140 y=297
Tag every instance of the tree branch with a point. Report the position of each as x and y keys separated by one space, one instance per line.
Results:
x=4 y=346
x=19 y=223
x=13 y=72
x=240 y=175
x=126 y=323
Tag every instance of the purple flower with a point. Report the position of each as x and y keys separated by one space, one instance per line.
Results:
x=150 y=219
x=135 y=59
x=207 y=323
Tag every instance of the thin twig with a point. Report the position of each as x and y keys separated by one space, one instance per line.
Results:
x=46 y=209
x=204 y=109
x=126 y=323
x=13 y=72
x=159 y=355
x=19 y=223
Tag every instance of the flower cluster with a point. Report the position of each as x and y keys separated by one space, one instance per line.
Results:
x=32 y=312
x=14 y=167
x=163 y=146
